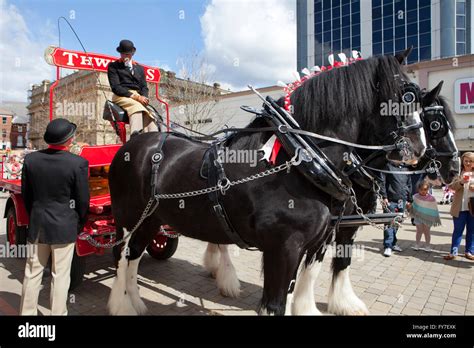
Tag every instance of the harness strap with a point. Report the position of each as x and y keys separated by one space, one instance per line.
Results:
x=408 y=172
x=156 y=159
x=286 y=129
x=217 y=175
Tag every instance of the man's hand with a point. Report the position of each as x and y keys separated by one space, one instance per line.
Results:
x=141 y=99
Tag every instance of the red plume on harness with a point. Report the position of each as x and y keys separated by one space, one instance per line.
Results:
x=290 y=88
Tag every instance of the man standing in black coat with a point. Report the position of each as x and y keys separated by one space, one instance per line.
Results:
x=54 y=186
x=396 y=192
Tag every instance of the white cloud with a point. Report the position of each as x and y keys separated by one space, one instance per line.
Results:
x=21 y=55
x=250 y=41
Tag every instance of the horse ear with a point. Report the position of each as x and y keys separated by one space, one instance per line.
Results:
x=402 y=55
x=430 y=97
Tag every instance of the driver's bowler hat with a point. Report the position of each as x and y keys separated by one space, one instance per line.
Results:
x=126 y=47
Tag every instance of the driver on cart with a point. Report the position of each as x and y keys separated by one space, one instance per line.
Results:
x=128 y=83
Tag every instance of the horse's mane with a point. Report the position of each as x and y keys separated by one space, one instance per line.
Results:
x=244 y=140
x=323 y=101
x=349 y=91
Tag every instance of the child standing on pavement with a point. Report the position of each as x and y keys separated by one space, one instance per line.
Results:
x=424 y=211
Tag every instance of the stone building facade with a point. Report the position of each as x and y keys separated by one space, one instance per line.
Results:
x=80 y=98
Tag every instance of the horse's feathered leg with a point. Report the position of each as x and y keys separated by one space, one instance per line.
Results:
x=211 y=259
x=304 y=302
x=280 y=263
x=119 y=300
x=218 y=263
x=226 y=276
x=342 y=298
x=125 y=297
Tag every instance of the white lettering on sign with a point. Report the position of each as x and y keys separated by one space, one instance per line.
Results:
x=70 y=55
x=464 y=96
x=151 y=74
x=85 y=60
x=102 y=62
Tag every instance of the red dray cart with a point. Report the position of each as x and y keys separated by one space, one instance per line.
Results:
x=100 y=226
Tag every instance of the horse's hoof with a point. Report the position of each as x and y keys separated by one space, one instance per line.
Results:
x=350 y=309
x=360 y=313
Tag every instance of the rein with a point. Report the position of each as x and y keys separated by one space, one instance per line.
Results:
x=283 y=129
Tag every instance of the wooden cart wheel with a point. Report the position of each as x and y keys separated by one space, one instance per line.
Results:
x=16 y=235
x=162 y=247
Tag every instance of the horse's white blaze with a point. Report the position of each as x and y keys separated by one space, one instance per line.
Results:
x=342 y=298
x=417 y=118
x=120 y=302
x=211 y=259
x=226 y=276
x=132 y=286
x=304 y=302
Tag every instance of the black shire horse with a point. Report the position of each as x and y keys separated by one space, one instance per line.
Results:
x=438 y=125
x=342 y=103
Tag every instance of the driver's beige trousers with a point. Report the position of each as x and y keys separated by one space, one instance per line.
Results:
x=62 y=255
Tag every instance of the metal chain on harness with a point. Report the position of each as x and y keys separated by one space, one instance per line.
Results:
x=295 y=161
x=224 y=185
x=360 y=212
x=110 y=245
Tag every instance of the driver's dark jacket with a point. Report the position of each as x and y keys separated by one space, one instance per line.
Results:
x=121 y=79
x=55 y=190
x=396 y=187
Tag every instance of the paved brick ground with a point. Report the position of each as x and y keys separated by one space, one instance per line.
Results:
x=411 y=282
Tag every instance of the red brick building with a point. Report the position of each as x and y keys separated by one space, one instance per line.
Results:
x=18 y=135
x=6 y=117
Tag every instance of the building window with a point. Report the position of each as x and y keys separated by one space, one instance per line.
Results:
x=4 y=120
x=460 y=27
x=398 y=24
x=4 y=133
x=336 y=28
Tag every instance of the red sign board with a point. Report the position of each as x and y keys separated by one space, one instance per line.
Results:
x=464 y=96
x=90 y=61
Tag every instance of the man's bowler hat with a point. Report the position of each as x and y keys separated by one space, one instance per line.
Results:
x=126 y=47
x=59 y=131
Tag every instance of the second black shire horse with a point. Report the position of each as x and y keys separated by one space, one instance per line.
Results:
x=343 y=103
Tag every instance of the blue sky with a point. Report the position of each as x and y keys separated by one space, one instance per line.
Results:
x=238 y=42
x=157 y=28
